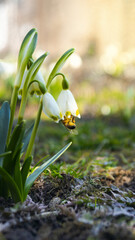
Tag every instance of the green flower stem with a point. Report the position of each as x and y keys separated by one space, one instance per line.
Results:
x=12 y=106
x=65 y=83
x=24 y=99
x=14 y=97
x=23 y=105
x=34 y=131
x=59 y=65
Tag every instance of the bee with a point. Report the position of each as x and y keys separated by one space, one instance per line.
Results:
x=69 y=122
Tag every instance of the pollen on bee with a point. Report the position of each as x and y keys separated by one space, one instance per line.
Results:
x=69 y=122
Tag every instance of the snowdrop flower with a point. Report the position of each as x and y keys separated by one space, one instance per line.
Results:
x=67 y=104
x=68 y=108
x=51 y=108
x=37 y=86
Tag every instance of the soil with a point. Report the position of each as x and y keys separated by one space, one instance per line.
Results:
x=67 y=208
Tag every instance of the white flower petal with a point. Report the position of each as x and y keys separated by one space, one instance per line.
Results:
x=51 y=108
x=67 y=104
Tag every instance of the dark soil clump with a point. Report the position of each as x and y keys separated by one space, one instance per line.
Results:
x=45 y=189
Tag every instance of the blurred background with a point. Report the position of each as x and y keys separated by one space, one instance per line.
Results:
x=102 y=69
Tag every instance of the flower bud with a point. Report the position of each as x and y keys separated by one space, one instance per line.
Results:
x=37 y=86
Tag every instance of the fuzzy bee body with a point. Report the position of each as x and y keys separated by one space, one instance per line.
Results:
x=70 y=126
x=69 y=122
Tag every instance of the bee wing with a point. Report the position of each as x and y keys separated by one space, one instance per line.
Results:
x=73 y=132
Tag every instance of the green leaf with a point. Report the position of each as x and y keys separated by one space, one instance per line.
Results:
x=5 y=154
x=27 y=47
x=15 y=192
x=14 y=146
x=17 y=172
x=4 y=124
x=30 y=180
x=26 y=138
x=41 y=160
x=17 y=137
x=26 y=50
x=25 y=169
x=59 y=65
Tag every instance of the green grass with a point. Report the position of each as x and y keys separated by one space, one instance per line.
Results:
x=104 y=137
x=98 y=144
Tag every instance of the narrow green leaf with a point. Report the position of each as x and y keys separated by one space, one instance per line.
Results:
x=15 y=145
x=41 y=160
x=5 y=154
x=15 y=192
x=17 y=137
x=59 y=65
x=30 y=180
x=17 y=172
x=26 y=50
x=27 y=47
x=4 y=124
x=25 y=169
x=26 y=138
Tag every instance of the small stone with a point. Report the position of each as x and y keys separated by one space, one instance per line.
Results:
x=54 y=202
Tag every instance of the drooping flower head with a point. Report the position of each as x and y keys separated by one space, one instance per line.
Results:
x=51 y=108
x=68 y=104
x=68 y=108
